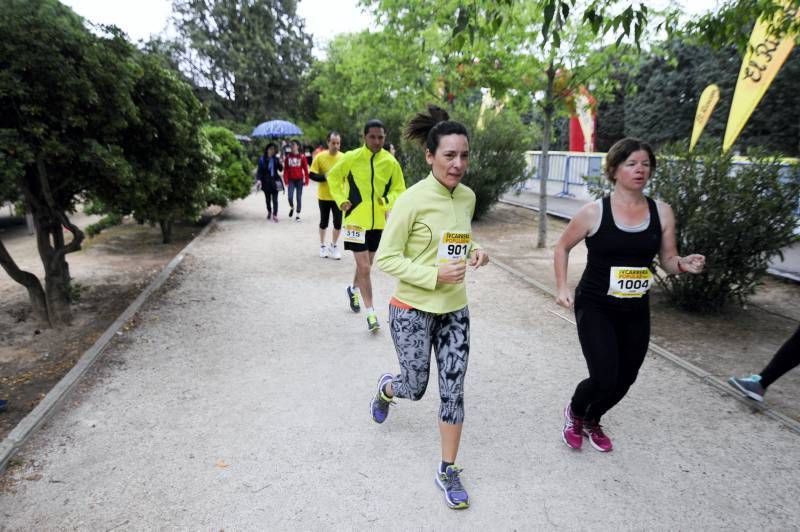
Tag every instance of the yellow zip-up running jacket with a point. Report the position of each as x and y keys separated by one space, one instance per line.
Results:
x=429 y=225
x=371 y=182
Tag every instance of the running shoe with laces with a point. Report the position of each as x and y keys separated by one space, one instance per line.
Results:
x=372 y=322
x=323 y=251
x=449 y=481
x=335 y=253
x=597 y=437
x=379 y=406
x=750 y=386
x=353 y=299
x=573 y=429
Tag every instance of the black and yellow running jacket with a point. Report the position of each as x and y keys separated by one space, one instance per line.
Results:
x=371 y=182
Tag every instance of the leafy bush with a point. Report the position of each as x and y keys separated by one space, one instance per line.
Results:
x=232 y=169
x=497 y=160
x=738 y=216
x=109 y=220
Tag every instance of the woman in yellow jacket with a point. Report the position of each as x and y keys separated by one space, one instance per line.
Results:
x=427 y=245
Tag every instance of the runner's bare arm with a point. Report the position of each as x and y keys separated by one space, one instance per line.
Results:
x=577 y=229
x=668 y=257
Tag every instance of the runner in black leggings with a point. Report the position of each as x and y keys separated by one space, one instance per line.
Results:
x=623 y=232
x=787 y=358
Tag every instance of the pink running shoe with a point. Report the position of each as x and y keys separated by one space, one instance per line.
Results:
x=597 y=437
x=573 y=429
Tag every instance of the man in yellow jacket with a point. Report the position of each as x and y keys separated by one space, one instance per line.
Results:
x=365 y=183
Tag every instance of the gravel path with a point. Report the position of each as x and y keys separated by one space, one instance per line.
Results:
x=239 y=401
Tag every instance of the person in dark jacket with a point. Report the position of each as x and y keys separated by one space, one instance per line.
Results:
x=269 y=179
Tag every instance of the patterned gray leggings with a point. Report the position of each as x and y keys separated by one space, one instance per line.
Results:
x=414 y=333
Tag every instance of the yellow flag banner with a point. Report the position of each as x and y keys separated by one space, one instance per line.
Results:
x=705 y=106
x=765 y=55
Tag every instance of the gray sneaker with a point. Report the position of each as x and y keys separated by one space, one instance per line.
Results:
x=353 y=299
x=750 y=386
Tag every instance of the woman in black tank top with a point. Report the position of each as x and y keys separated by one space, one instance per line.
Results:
x=611 y=301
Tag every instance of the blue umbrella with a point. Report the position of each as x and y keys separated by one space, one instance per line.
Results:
x=276 y=128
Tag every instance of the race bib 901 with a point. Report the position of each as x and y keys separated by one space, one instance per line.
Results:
x=629 y=281
x=354 y=234
x=453 y=246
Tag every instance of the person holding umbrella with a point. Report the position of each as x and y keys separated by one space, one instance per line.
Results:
x=269 y=179
x=276 y=129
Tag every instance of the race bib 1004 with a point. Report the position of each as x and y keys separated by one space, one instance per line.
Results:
x=453 y=246
x=354 y=234
x=629 y=281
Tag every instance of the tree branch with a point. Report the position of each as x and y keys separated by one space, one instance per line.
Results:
x=77 y=234
x=29 y=281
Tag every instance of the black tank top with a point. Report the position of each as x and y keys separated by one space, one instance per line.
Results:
x=611 y=246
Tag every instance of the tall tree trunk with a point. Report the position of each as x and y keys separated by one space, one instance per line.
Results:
x=49 y=218
x=544 y=170
x=56 y=278
x=31 y=283
x=166 y=230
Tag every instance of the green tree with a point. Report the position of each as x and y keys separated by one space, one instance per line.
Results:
x=545 y=49
x=671 y=78
x=248 y=57
x=732 y=22
x=65 y=99
x=170 y=157
x=371 y=75
x=495 y=152
x=738 y=218
x=232 y=169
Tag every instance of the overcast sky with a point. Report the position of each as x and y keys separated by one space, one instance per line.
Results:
x=142 y=18
x=324 y=18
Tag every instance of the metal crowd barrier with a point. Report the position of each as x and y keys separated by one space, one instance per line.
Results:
x=568 y=169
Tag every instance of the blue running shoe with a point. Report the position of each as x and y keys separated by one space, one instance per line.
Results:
x=750 y=386
x=3 y=405
x=379 y=406
x=454 y=493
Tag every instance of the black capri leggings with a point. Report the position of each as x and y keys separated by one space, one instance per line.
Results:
x=787 y=357
x=614 y=343
x=326 y=208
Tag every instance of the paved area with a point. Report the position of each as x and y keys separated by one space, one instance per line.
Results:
x=239 y=401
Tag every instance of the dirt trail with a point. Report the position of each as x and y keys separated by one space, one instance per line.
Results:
x=108 y=273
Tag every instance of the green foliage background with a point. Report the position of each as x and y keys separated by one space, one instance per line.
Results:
x=496 y=156
x=232 y=169
x=738 y=216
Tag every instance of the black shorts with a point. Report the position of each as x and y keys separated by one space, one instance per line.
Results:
x=372 y=238
x=326 y=208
